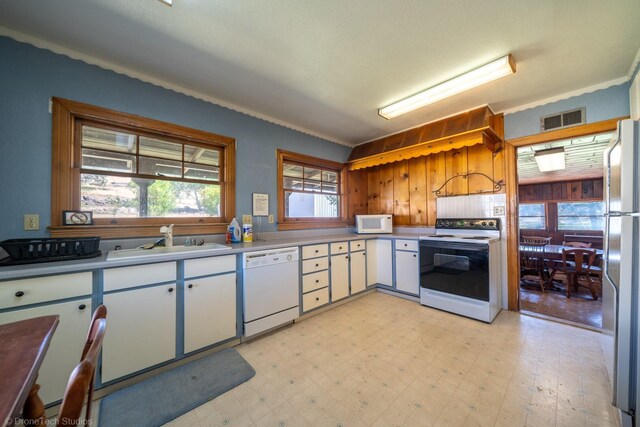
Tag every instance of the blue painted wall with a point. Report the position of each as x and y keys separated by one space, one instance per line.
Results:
x=30 y=76
x=600 y=105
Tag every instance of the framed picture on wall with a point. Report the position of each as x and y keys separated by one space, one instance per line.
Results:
x=260 y=204
x=77 y=217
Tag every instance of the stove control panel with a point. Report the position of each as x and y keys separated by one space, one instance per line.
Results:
x=468 y=223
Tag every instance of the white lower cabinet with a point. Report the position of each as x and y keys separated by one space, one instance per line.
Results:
x=209 y=311
x=358 y=271
x=339 y=277
x=66 y=344
x=407 y=272
x=141 y=330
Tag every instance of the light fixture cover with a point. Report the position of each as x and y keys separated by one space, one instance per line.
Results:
x=550 y=160
x=493 y=70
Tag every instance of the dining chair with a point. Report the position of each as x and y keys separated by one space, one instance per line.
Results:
x=80 y=381
x=92 y=346
x=576 y=265
x=536 y=239
x=533 y=262
x=577 y=244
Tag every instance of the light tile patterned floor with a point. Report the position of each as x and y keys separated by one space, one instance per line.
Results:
x=386 y=361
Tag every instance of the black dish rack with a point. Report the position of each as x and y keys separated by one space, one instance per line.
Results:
x=28 y=251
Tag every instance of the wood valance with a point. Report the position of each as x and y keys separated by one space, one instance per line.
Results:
x=464 y=130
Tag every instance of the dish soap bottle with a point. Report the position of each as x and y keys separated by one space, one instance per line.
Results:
x=234 y=230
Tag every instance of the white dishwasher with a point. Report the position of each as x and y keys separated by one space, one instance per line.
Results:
x=271 y=289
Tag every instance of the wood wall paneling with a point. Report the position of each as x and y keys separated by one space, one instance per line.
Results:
x=456 y=164
x=418 y=191
x=401 y=193
x=386 y=188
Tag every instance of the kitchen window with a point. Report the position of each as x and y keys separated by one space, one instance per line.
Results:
x=581 y=216
x=532 y=216
x=135 y=174
x=310 y=192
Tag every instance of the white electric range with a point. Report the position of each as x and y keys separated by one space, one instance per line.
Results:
x=460 y=267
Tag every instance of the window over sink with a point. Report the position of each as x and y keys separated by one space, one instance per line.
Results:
x=138 y=173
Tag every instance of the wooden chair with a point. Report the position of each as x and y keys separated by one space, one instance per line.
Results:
x=533 y=261
x=80 y=382
x=576 y=265
x=577 y=244
x=536 y=239
x=92 y=347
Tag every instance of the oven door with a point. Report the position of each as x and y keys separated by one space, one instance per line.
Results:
x=455 y=268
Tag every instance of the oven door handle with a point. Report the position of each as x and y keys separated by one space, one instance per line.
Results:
x=430 y=244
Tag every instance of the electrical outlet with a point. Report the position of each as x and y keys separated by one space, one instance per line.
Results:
x=32 y=222
x=270 y=218
x=246 y=219
x=498 y=210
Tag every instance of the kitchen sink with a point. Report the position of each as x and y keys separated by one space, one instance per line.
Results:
x=161 y=250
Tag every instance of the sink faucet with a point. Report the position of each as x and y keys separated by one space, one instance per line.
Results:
x=168 y=235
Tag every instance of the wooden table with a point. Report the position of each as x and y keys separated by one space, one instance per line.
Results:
x=23 y=346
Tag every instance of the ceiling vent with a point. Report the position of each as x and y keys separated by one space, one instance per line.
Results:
x=563 y=120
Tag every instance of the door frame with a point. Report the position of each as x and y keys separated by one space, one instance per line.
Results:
x=511 y=178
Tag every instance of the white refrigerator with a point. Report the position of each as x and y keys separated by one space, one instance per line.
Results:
x=620 y=287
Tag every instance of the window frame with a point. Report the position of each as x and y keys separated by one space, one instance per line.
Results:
x=284 y=223
x=68 y=117
x=545 y=217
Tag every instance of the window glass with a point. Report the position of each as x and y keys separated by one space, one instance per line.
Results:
x=118 y=170
x=532 y=216
x=581 y=216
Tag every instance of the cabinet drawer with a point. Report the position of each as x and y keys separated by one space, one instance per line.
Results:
x=313 y=265
x=315 y=281
x=407 y=245
x=315 y=251
x=315 y=299
x=210 y=265
x=357 y=245
x=339 y=248
x=16 y=293
x=138 y=275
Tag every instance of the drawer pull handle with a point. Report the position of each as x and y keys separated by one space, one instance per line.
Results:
x=190 y=286
x=82 y=307
x=170 y=290
x=19 y=294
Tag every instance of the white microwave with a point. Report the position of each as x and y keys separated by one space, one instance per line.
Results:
x=374 y=224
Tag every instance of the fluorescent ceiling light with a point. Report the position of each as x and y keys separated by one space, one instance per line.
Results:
x=481 y=75
x=550 y=160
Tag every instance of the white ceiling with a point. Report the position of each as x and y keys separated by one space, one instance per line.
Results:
x=325 y=67
x=583 y=159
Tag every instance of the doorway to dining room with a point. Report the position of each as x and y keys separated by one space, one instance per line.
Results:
x=561 y=228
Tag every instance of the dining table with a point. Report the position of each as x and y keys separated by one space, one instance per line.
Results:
x=23 y=346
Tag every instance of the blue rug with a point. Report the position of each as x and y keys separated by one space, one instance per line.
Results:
x=165 y=397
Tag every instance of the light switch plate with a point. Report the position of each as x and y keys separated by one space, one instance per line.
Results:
x=498 y=210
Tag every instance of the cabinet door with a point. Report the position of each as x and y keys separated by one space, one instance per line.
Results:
x=66 y=344
x=141 y=330
x=407 y=279
x=358 y=271
x=209 y=311
x=339 y=277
